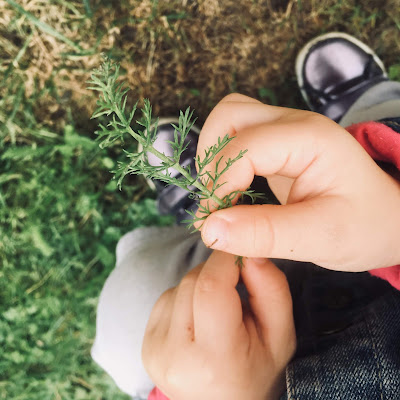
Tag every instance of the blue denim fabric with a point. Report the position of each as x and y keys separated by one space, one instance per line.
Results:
x=393 y=123
x=348 y=333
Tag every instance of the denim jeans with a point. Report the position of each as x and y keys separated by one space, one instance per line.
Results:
x=348 y=335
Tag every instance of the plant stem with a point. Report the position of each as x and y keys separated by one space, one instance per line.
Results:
x=164 y=158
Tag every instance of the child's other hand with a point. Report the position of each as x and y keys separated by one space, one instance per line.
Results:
x=200 y=343
x=341 y=210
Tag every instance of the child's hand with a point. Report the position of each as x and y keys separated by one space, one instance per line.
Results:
x=342 y=211
x=200 y=344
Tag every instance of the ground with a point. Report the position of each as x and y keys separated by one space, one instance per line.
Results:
x=60 y=214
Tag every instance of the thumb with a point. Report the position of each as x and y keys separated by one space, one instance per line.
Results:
x=304 y=231
x=270 y=301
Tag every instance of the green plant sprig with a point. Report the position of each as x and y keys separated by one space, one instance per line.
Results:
x=201 y=186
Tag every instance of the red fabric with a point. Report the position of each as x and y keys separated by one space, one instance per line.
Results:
x=156 y=394
x=391 y=274
x=383 y=144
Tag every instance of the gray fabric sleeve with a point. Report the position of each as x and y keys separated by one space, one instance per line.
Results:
x=149 y=261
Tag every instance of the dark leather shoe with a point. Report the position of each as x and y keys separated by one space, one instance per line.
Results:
x=334 y=70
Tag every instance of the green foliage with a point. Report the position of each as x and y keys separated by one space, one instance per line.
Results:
x=60 y=220
x=112 y=103
x=268 y=95
x=394 y=72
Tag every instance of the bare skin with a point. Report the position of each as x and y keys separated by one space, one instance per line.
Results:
x=339 y=210
x=201 y=344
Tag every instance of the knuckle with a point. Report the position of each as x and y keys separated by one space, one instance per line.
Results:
x=165 y=297
x=233 y=97
x=224 y=107
x=207 y=283
x=263 y=235
x=191 y=276
x=317 y=122
x=163 y=301
x=313 y=116
x=229 y=103
x=186 y=282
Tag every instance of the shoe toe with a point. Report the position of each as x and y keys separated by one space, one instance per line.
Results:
x=334 y=70
x=331 y=64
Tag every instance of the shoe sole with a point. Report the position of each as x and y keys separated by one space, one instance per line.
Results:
x=332 y=35
x=164 y=121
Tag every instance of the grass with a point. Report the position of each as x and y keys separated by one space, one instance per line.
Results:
x=60 y=215
x=60 y=222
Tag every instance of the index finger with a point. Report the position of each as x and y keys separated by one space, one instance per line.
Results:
x=232 y=114
x=217 y=309
x=235 y=115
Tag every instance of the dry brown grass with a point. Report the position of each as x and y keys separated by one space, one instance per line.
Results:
x=180 y=53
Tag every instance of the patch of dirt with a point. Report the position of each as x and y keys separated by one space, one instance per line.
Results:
x=180 y=53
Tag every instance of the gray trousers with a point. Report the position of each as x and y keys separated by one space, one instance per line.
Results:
x=151 y=260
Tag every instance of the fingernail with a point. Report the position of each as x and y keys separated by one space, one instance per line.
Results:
x=215 y=233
